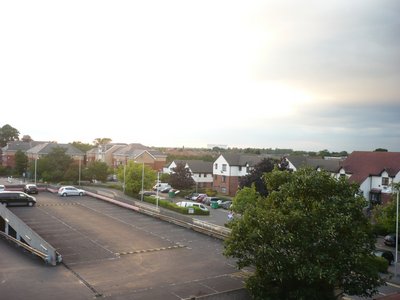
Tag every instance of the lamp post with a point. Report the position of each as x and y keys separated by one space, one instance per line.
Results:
x=158 y=180
x=123 y=187
x=141 y=196
x=397 y=226
x=35 y=168
x=79 y=178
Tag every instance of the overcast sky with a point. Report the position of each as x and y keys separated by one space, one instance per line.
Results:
x=305 y=75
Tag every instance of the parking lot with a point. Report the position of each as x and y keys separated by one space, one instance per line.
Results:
x=112 y=252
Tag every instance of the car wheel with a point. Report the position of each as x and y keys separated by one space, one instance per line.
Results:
x=80 y=194
x=64 y=195
x=30 y=204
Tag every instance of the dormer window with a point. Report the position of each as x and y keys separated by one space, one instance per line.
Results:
x=385 y=180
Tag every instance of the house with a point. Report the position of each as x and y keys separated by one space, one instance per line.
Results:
x=374 y=172
x=104 y=153
x=44 y=149
x=228 y=168
x=202 y=171
x=8 y=151
x=331 y=165
x=139 y=154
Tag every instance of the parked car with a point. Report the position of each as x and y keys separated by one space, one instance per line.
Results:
x=192 y=204
x=161 y=186
x=147 y=193
x=388 y=255
x=11 y=198
x=2 y=187
x=390 y=240
x=31 y=189
x=190 y=196
x=200 y=198
x=226 y=204
x=70 y=191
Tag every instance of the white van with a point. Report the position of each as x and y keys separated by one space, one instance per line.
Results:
x=192 y=204
x=161 y=186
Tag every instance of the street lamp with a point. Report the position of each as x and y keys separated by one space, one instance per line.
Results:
x=79 y=179
x=36 y=168
x=158 y=180
x=141 y=196
x=396 y=187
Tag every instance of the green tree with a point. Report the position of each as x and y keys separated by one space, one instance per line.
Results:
x=21 y=163
x=101 y=141
x=181 y=178
x=384 y=216
x=245 y=197
x=54 y=166
x=255 y=176
x=8 y=134
x=133 y=177
x=307 y=240
x=96 y=170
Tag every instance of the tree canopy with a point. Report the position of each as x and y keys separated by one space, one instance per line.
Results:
x=132 y=176
x=256 y=176
x=307 y=239
x=181 y=178
x=8 y=134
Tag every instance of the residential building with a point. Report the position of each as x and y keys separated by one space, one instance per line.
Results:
x=331 y=165
x=375 y=172
x=228 y=168
x=202 y=171
x=104 y=153
x=8 y=152
x=139 y=154
x=44 y=149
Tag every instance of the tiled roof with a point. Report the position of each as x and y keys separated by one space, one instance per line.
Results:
x=46 y=148
x=234 y=159
x=362 y=164
x=200 y=166
x=20 y=145
x=330 y=165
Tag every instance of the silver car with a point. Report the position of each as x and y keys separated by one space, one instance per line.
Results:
x=70 y=191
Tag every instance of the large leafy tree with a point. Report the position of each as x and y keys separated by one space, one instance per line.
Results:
x=8 y=134
x=54 y=166
x=21 y=163
x=96 y=170
x=132 y=174
x=308 y=239
x=255 y=177
x=384 y=216
x=181 y=178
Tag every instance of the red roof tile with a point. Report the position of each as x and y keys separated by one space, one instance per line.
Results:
x=362 y=164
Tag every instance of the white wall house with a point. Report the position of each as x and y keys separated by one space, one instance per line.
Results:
x=201 y=171
x=375 y=172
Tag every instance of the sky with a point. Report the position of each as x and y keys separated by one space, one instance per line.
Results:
x=305 y=75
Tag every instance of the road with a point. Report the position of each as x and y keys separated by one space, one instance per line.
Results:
x=115 y=253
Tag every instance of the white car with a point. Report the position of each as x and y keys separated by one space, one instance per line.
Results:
x=2 y=187
x=70 y=191
x=192 y=204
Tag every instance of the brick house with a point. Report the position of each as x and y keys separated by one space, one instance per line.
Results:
x=139 y=154
x=8 y=151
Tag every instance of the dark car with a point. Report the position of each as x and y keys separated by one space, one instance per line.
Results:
x=388 y=255
x=10 y=198
x=31 y=189
x=390 y=240
x=226 y=204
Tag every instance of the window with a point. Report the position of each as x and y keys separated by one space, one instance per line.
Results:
x=385 y=180
x=216 y=166
x=240 y=168
x=204 y=175
x=224 y=167
x=223 y=178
